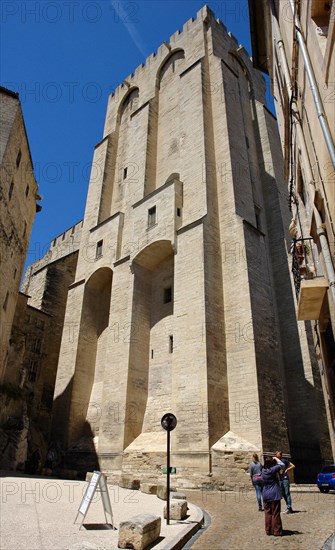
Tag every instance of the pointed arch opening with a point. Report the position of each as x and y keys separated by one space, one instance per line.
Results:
x=91 y=351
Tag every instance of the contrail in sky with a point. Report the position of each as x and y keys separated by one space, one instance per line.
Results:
x=129 y=26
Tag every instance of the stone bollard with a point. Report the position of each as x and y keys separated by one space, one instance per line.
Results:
x=162 y=492
x=178 y=509
x=149 y=488
x=130 y=483
x=178 y=496
x=139 y=531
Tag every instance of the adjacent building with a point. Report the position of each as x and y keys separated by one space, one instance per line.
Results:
x=18 y=206
x=293 y=41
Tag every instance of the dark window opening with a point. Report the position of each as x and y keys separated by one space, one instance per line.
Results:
x=27 y=190
x=167 y=295
x=15 y=272
x=171 y=344
x=300 y=185
x=152 y=354
x=178 y=212
x=99 y=249
x=10 y=193
x=18 y=158
x=125 y=172
x=152 y=216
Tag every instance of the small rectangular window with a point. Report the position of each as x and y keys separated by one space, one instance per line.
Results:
x=27 y=190
x=10 y=193
x=179 y=212
x=152 y=354
x=99 y=249
x=18 y=158
x=167 y=295
x=152 y=216
x=171 y=344
x=125 y=172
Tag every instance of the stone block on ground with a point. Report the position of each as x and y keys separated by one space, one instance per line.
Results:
x=178 y=496
x=178 y=509
x=130 y=483
x=139 y=531
x=162 y=492
x=149 y=488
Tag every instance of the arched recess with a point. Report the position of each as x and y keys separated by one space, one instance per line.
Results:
x=91 y=351
x=164 y=137
x=120 y=166
x=151 y=343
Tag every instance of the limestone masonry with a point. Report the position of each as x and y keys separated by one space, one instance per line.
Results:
x=182 y=298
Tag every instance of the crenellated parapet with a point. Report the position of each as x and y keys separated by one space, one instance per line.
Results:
x=191 y=41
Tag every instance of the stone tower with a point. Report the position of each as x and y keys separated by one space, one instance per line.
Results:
x=182 y=299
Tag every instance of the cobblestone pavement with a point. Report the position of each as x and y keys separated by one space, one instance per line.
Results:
x=236 y=523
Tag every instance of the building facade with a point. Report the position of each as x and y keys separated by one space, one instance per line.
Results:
x=36 y=332
x=182 y=300
x=19 y=193
x=294 y=44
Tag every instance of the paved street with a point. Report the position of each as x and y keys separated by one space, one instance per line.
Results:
x=39 y=513
x=236 y=523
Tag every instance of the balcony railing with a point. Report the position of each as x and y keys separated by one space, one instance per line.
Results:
x=310 y=284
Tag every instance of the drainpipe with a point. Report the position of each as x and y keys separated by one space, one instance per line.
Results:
x=314 y=89
x=320 y=231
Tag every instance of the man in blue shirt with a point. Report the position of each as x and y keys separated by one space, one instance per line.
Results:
x=285 y=482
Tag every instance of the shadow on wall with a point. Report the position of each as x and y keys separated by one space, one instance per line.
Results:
x=80 y=457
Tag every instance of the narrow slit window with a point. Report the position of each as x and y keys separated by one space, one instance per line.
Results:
x=179 y=212
x=152 y=216
x=125 y=173
x=10 y=193
x=152 y=354
x=18 y=158
x=171 y=344
x=27 y=190
x=99 y=249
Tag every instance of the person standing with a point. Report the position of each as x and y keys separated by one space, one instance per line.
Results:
x=285 y=482
x=272 y=496
x=255 y=471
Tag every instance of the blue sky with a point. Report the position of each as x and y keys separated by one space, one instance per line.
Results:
x=65 y=57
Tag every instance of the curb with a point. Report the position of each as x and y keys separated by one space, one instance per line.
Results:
x=189 y=530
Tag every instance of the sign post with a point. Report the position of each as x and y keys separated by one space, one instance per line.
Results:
x=97 y=483
x=168 y=422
